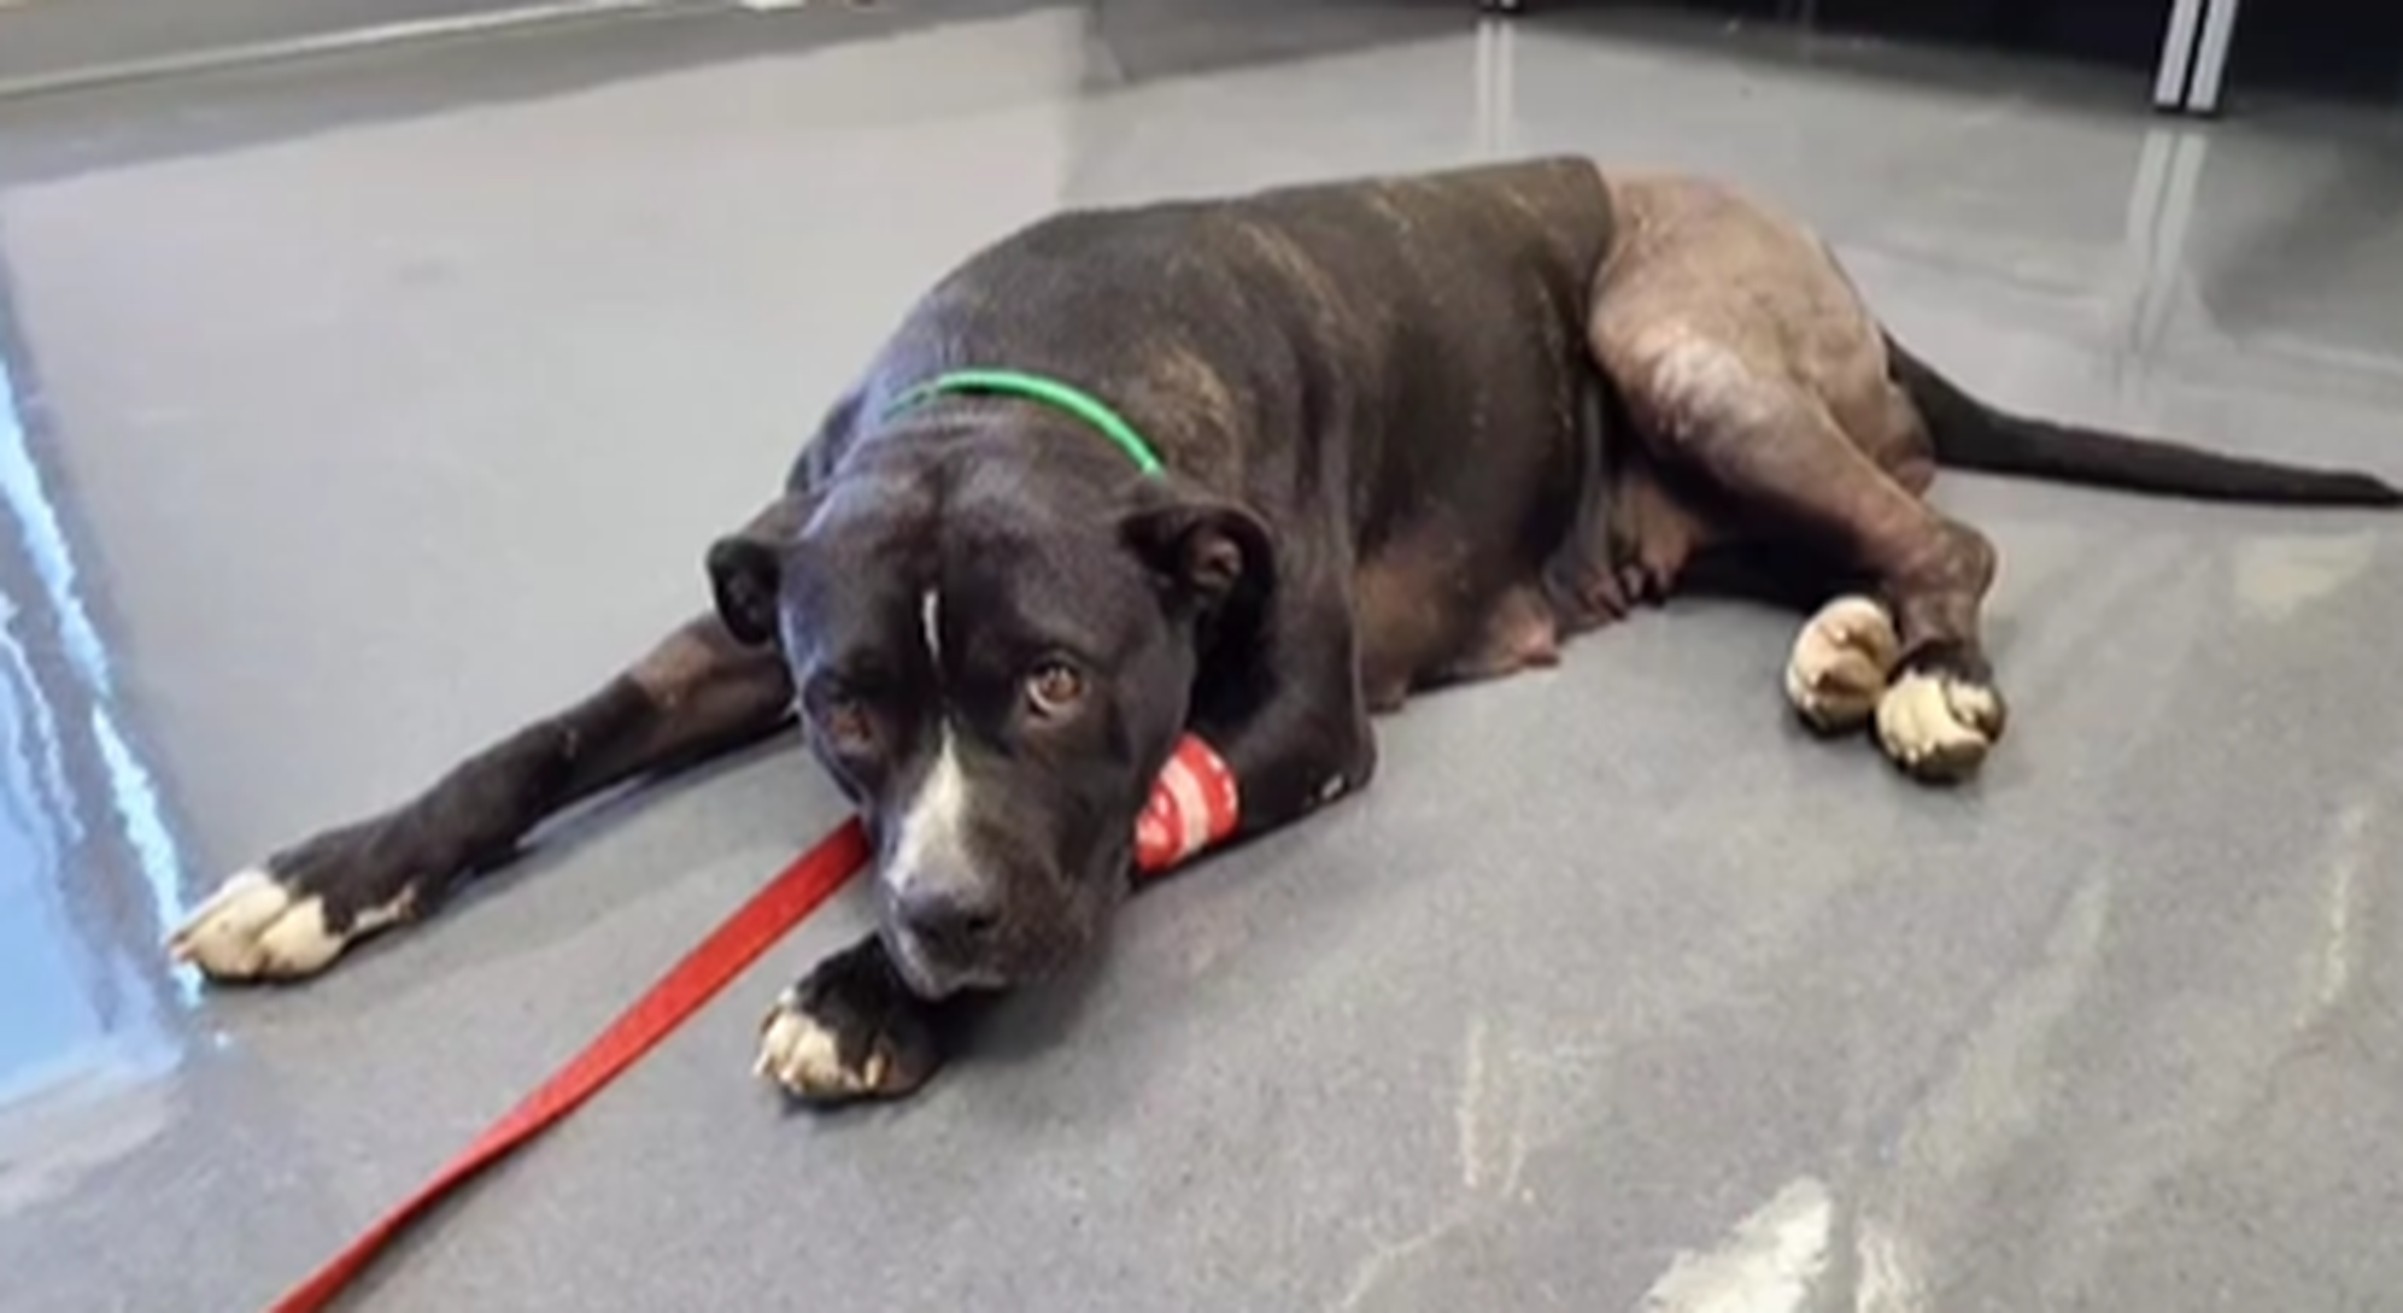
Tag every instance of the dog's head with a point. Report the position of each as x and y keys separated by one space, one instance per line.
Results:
x=993 y=657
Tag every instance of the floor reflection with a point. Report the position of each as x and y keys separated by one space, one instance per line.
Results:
x=88 y=861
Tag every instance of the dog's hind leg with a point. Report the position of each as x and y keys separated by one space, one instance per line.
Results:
x=1716 y=404
x=697 y=694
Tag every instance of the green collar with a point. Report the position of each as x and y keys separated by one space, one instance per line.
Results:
x=1034 y=387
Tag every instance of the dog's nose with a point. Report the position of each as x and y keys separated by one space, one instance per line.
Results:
x=954 y=918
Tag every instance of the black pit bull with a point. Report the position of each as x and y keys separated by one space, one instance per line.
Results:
x=1406 y=432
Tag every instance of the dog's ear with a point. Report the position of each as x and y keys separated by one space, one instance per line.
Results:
x=746 y=570
x=1214 y=554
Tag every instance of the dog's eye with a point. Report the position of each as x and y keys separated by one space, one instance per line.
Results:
x=1054 y=689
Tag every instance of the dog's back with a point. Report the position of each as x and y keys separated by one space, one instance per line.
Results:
x=1400 y=338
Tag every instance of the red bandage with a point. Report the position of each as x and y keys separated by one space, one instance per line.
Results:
x=1193 y=806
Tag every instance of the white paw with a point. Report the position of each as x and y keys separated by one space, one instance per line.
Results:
x=1938 y=727
x=1841 y=661
x=803 y=1057
x=256 y=928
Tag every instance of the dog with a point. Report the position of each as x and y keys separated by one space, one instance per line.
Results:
x=1243 y=473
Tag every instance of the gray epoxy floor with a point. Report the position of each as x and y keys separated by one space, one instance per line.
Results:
x=341 y=449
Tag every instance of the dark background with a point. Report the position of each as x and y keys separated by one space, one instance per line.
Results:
x=2351 y=48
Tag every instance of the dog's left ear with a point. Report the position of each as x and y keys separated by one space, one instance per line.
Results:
x=1213 y=553
x=746 y=570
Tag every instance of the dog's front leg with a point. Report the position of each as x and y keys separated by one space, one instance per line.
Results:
x=697 y=694
x=1300 y=736
x=850 y=1030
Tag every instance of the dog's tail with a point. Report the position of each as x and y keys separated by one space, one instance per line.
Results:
x=1971 y=435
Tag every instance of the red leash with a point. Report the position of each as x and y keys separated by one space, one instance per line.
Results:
x=730 y=948
x=1193 y=806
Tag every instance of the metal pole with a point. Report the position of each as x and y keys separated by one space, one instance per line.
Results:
x=2177 y=54
x=2211 y=58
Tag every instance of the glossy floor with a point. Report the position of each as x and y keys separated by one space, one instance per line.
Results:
x=361 y=409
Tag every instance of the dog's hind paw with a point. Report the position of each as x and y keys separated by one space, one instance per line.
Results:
x=257 y=926
x=1842 y=659
x=848 y=1031
x=1938 y=726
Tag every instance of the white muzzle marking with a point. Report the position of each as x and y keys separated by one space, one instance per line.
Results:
x=934 y=827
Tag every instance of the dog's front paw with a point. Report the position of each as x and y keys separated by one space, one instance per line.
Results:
x=1938 y=726
x=850 y=1030
x=256 y=927
x=292 y=916
x=1841 y=662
